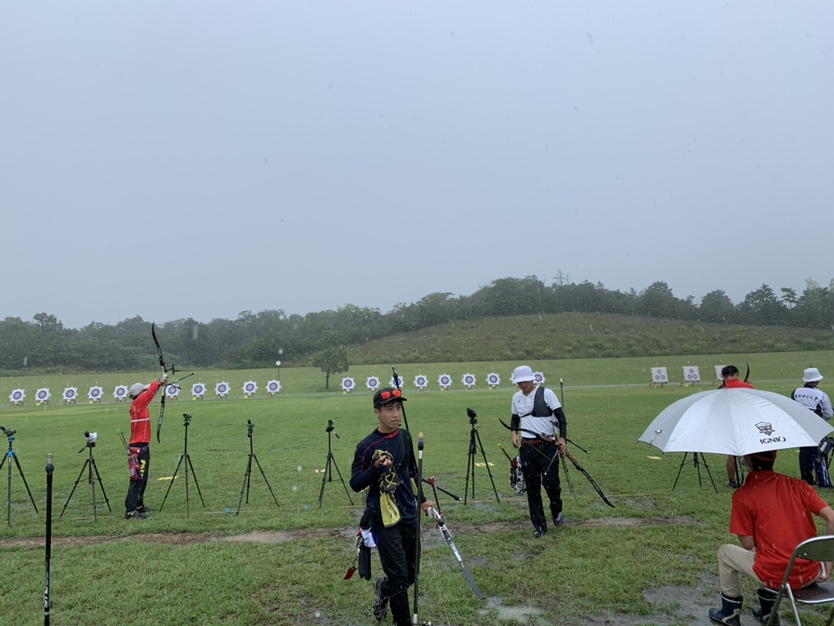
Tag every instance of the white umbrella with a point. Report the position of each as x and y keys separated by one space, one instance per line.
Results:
x=735 y=422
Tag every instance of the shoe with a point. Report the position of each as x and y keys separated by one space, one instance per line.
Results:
x=381 y=602
x=559 y=521
x=730 y=612
x=733 y=484
x=144 y=509
x=135 y=515
x=539 y=533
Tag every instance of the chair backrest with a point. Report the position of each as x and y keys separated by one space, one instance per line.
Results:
x=816 y=549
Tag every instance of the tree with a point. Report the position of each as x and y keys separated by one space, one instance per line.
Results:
x=331 y=357
x=716 y=306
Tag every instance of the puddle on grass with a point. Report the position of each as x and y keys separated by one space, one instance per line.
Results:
x=518 y=614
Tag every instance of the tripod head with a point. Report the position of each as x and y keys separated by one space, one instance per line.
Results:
x=90 y=439
x=186 y=419
x=331 y=429
x=473 y=417
x=249 y=428
x=9 y=432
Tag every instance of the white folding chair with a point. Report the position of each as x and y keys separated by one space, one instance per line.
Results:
x=814 y=549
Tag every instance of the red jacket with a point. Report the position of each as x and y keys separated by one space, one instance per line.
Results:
x=140 y=416
x=735 y=383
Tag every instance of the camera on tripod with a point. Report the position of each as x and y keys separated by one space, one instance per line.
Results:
x=8 y=431
x=249 y=428
x=186 y=418
x=90 y=438
x=473 y=417
x=330 y=426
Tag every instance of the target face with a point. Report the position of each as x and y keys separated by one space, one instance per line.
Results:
x=120 y=392
x=250 y=387
x=42 y=394
x=95 y=393
x=222 y=389
x=538 y=378
x=197 y=389
x=493 y=379
x=273 y=386
x=348 y=384
x=171 y=391
x=398 y=383
x=372 y=383
x=468 y=380
x=70 y=393
x=421 y=382
x=17 y=395
x=445 y=380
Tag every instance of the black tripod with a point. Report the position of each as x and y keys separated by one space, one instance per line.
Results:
x=184 y=457
x=698 y=459
x=248 y=475
x=9 y=432
x=331 y=461
x=89 y=462
x=474 y=444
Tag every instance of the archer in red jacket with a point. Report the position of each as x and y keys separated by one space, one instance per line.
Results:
x=139 y=451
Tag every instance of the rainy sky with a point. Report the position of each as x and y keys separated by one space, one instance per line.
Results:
x=201 y=158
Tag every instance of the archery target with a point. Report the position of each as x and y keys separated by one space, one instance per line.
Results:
x=421 y=382
x=198 y=390
x=250 y=387
x=273 y=387
x=172 y=391
x=70 y=394
x=95 y=393
x=538 y=378
x=718 y=369
x=42 y=394
x=493 y=379
x=398 y=383
x=222 y=389
x=659 y=375
x=372 y=383
x=120 y=393
x=348 y=384
x=691 y=374
x=468 y=380
x=17 y=396
x=444 y=380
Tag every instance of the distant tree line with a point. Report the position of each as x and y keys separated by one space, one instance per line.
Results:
x=259 y=339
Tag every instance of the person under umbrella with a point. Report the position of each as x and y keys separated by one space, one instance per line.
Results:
x=771 y=515
x=730 y=380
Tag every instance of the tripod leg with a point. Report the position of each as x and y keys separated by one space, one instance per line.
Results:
x=25 y=484
x=196 y=484
x=258 y=463
x=343 y=480
x=680 y=469
x=245 y=486
x=101 y=484
x=706 y=467
x=77 y=480
x=486 y=463
x=324 y=478
x=171 y=484
x=470 y=466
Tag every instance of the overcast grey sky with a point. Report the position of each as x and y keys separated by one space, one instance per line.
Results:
x=201 y=158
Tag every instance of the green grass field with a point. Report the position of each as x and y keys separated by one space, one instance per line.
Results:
x=285 y=564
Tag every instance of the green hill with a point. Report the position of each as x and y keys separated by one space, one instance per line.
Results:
x=582 y=336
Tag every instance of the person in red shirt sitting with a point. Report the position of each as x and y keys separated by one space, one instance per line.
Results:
x=771 y=515
x=730 y=380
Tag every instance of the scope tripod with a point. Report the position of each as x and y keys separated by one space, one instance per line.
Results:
x=9 y=456
x=247 y=477
x=90 y=465
x=331 y=461
x=188 y=465
x=698 y=459
x=474 y=445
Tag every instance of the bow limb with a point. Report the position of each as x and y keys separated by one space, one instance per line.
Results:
x=747 y=375
x=164 y=372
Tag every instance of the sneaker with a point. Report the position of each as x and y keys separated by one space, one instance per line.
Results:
x=539 y=533
x=559 y=521
x=381 y=601
x=135 y=515
x=144 y=509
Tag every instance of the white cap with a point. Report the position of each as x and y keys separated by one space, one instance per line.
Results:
x=811 y=375
x=136 y=389
x=522 y=374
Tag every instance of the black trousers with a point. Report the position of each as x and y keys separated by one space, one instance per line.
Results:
x=397 y=547
x=808 y=458
x=540 y=472
x=139 y=463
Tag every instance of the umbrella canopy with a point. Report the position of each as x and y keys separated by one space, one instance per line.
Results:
x=736 y=422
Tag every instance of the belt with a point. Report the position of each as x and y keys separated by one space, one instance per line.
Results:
x=534 y=441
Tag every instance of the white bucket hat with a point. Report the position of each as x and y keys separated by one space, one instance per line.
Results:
x=522 y=374
x=811 y=375
x=136 y=389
